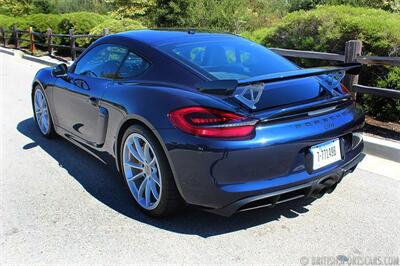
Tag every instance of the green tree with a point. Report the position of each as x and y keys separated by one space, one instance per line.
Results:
x=389 y=5
x=68 y=6
x=42 y=6
x=171 y=13
x=17 y=7
x=131 y=8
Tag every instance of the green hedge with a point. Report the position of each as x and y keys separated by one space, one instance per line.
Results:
x=6 y=21
x=41 y=22
x=258 y=35
x=327 y=28
x=81 y=22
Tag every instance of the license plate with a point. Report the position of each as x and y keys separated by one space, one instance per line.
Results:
x=325 y=153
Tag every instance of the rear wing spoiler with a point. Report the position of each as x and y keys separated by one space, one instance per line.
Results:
x=228 y=87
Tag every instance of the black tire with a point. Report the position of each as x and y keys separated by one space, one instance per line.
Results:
x=51 y=131
x=171 y=201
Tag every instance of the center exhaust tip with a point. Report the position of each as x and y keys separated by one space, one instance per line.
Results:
x=325 y=186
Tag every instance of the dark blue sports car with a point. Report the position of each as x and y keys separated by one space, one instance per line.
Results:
x=204 y=119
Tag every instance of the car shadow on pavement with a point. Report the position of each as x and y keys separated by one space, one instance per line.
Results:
x=105 y=184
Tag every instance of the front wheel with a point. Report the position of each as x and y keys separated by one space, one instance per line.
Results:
x=147 y=173
x=42 y=113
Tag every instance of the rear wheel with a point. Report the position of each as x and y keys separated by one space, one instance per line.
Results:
x=147 y=173
x=42 y=113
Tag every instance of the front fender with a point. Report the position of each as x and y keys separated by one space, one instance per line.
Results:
x=45 y=80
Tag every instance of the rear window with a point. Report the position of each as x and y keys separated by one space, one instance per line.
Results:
x=229 y=59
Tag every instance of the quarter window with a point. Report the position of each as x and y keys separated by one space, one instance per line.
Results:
x=102 y=61
x=133 y=66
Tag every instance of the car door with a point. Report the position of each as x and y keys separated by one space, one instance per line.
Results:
x=76 y=97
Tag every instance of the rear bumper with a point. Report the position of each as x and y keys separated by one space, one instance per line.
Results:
x=195 y=174
x=215 y=174
x=284 y=195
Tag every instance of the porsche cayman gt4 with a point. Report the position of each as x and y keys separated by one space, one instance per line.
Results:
x=204 y=119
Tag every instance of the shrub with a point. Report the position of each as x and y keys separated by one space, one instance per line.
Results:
x=390 y=5
x=6 y=21
x=384 y=108
x=82 y=23
x=257 y=35
x=38 y=22
x=327 y=28
x=115 y=25
x=41 y=22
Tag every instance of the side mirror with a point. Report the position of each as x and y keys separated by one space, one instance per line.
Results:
x=60 y=71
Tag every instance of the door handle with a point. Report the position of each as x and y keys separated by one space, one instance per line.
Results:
x=93 y=100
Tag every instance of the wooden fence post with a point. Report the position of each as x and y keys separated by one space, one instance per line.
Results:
x=3 y=36
x=106 y=31
x=16 y=38
x=50 y=41
x=352 y=49
x=32 y=41
x=72 y=44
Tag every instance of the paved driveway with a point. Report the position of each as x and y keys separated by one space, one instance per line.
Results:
x=58 y=204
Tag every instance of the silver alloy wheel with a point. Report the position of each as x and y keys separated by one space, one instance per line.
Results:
x=41 y=112
x=142 y=171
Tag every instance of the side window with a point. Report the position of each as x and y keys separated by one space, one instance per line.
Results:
x=133 y=66
x=102 y=61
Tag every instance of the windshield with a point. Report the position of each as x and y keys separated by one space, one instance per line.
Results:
x=235 y=58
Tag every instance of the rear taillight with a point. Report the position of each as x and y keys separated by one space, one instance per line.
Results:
x=209 y=122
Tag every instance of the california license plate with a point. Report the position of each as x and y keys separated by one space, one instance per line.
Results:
x=325 y=153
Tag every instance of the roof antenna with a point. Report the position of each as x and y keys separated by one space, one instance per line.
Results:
x=191 y=31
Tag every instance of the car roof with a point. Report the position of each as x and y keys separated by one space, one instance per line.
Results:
x=163 y=37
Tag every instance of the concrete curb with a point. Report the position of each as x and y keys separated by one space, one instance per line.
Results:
x=382 y=148
x=48 y=61
x=6 y=51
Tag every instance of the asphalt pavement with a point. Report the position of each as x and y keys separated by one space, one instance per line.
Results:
x=59 y=204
